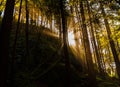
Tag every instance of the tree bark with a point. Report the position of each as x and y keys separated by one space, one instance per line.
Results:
x=17 y=31
x=91 y=71
x=6 y=26
x=14 y=47
x=26 y=32
x=60 y=29
x=65 y=43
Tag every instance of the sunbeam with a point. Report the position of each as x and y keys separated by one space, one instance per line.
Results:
x=71 y=39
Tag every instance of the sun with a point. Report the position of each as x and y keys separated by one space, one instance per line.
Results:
x=71 y=39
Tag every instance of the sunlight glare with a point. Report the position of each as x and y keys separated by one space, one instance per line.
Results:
x=71 y=38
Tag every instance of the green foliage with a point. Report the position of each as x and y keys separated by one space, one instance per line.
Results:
x=108 y=82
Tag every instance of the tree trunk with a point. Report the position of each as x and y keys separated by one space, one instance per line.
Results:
x=14 y=47
x=110 y=59
x=99 y=47
x=51 y=28
x=91 y=71
x=84 y=65
x=112 y=44
x=26 y=32
x=60 y=29
x=93 y=40
x=17 y=31
x=6 y=26
x=65 y=43
x=41 y=20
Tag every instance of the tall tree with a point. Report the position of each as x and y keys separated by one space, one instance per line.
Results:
x=6 y=26
x=65 y=42
x=26 y=31
x=91 y=71
x=93 y=40
x=17 y=31
x=112 y=44
x=14 y=47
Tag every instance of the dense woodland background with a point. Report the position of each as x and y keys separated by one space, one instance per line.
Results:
x=59 y=43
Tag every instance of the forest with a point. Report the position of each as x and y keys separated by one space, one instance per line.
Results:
x=59 y=43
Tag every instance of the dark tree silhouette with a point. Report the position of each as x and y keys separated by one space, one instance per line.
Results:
x=26 y=31
x=65 y=42
x=4 y=41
